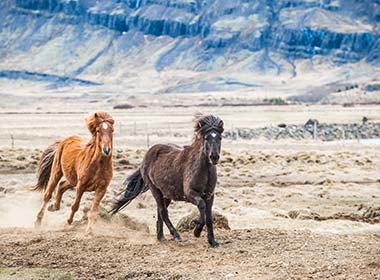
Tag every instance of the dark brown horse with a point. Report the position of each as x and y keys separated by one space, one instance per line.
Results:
x=85 y=166
x=181 y=174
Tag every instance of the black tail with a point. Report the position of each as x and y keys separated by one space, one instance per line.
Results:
x=135 y=185
x=44 y=167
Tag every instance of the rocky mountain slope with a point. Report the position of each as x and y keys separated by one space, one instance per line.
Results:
x=191 y=45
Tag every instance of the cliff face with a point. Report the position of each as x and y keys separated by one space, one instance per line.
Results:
x=88 y=37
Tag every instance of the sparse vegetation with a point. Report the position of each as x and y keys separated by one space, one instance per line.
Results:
x=346 y=88
x=275 y=101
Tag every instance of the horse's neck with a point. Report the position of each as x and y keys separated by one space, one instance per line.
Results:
x=93 y=149
x=94 y=153
x=197 y=157
x=201 y=169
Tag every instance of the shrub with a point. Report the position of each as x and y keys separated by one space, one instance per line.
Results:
x=275 y=101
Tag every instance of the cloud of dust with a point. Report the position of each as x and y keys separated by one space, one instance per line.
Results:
x=20 y=209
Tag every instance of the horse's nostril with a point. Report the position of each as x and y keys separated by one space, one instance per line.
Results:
x=214 y=157
x=106 y=150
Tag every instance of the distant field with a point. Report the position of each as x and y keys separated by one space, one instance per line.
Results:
x=139 y=127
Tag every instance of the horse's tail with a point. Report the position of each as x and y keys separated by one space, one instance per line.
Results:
x=44 y=167
x=135 y=185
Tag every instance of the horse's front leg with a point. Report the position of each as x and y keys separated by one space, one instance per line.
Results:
x=93 y=213
x=198 y=201
x=209 y=223
x=75 y=206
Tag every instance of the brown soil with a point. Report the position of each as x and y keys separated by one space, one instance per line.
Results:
x=244 y=254
x=294 y=214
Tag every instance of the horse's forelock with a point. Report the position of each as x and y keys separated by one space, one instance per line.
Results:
x=203 y=124
x=96 y=118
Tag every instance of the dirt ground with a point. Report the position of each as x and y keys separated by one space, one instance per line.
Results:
x=287 y=223
x=297 y=210
x=244 y=254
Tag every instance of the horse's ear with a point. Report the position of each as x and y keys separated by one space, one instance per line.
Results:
x=221 y=126
x=96 y=115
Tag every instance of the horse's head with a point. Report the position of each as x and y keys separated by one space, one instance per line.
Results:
x=209 y=128
x=100 y=124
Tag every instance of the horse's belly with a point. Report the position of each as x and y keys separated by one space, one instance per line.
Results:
x=172 y=189
x=172 y=192
x=70 y=173
x=71 y=149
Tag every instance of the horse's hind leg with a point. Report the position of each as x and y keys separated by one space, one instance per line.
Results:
x=160 y=223
x=162 y=211
x=56 y=175
x=63 y=186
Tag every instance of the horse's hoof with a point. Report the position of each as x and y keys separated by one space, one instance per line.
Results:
x=67 y=225
x=52 y=208
x=69 y=222
x=37 y=223
x=197 y=232
x=89 y=233
x=214 y=244
x=161 y=238
x=177 y=238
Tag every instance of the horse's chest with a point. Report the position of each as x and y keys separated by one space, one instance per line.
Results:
x=98 y=176
x=202 y=183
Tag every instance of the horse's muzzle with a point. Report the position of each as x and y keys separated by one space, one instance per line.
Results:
x=214 y=159
x=106 y=151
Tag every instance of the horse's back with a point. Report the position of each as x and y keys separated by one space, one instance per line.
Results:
x=72 y=145
x=162 y=152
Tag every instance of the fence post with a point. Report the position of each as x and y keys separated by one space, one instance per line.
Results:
x=357 y=135
x=12 y=141
x=315 y=131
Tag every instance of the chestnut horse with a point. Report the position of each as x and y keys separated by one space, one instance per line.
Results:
x=181 y=174
x=85 y=166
